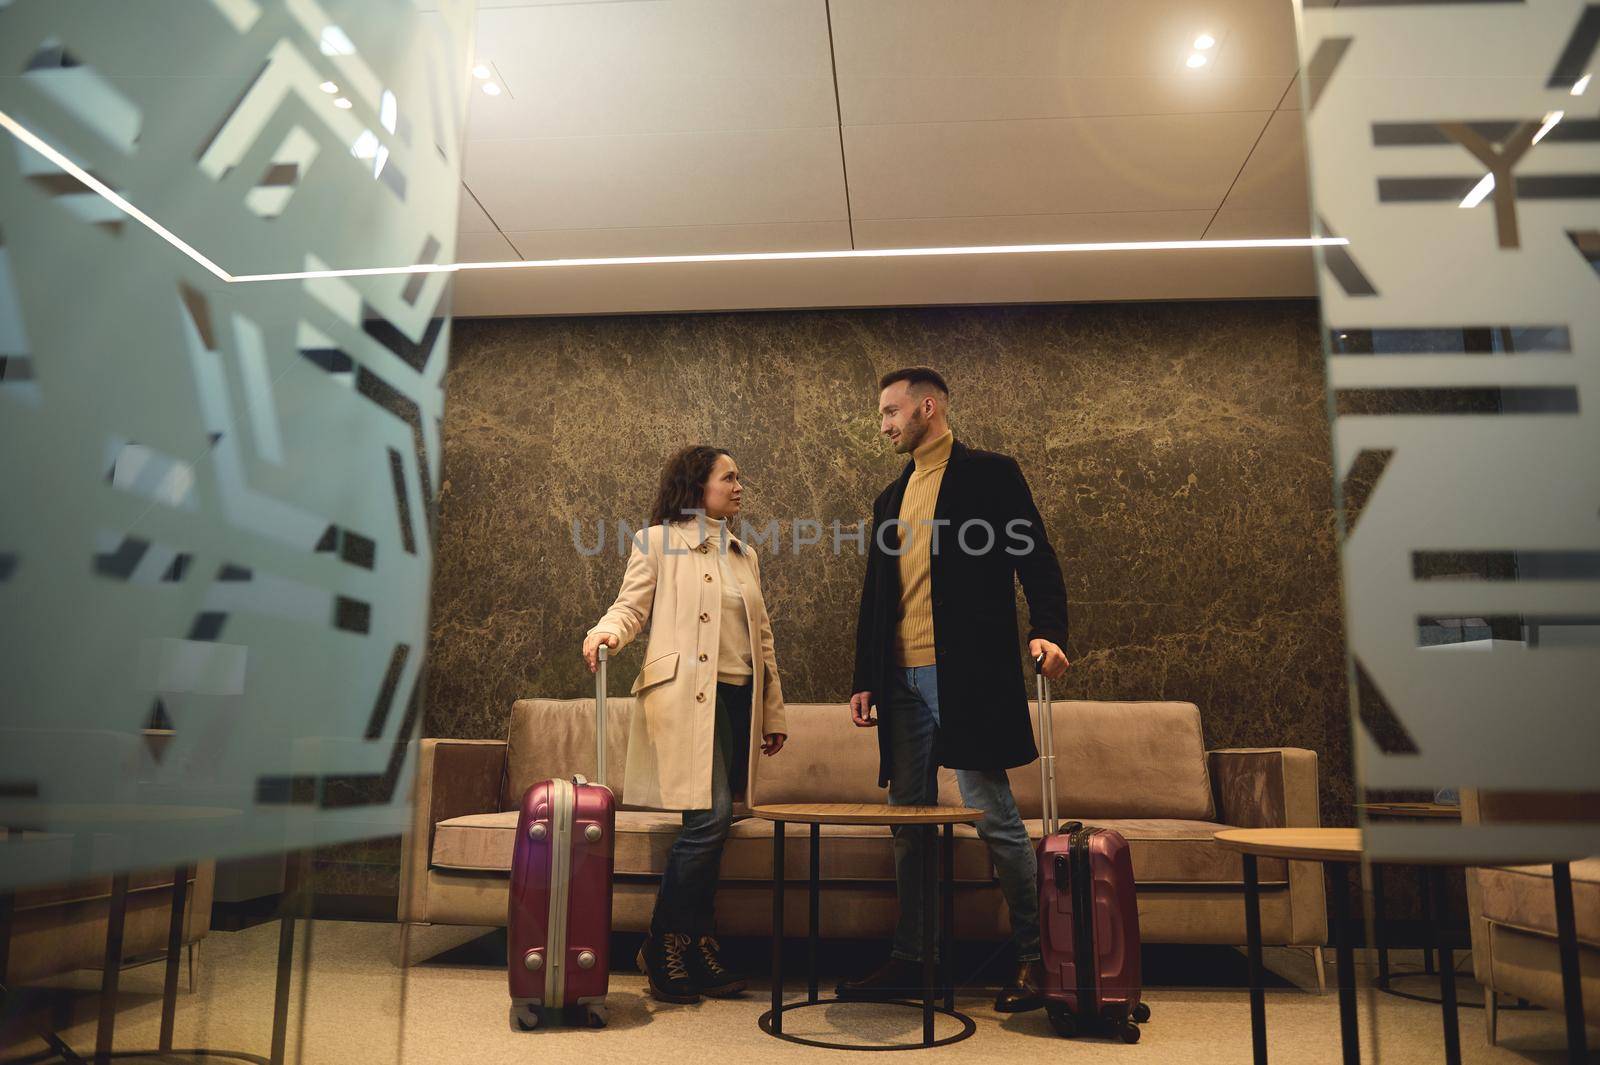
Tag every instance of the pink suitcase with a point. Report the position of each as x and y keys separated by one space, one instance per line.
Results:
x=1088 y=915
x=558 y=928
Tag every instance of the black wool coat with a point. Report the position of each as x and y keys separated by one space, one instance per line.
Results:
x=983 y=702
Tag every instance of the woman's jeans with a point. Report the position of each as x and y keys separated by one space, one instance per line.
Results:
x=689 y=886
x=913 y=706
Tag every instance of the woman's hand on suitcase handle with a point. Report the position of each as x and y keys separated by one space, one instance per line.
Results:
x=591 y=648
x=861 y=710
x=1055 y=659
x=773 y=743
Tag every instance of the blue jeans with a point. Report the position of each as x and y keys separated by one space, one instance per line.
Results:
x=686 y=902
x=913 y=707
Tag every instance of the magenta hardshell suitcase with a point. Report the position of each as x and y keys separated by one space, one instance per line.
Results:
x=558 y=927
x=1088 y=913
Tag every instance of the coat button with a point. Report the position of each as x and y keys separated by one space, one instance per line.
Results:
x=700 y=698
x=702 y=657
x=703 y=548
x=705 y=617
x=708 y=578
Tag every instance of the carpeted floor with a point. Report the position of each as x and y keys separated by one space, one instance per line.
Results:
x=355 y=1004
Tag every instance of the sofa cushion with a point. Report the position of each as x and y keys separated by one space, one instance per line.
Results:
x=1164 y=851
x=484 y=842
x=550 y=738
x=1115 y=760
x=1174 y=851
x=826 y=759
x=1522 y=896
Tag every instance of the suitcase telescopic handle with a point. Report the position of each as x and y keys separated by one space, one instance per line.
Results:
x=1047 y=751
x=600 y=716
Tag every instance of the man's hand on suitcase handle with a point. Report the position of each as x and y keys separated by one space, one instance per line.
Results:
x=1055 y=659
x=591 y=648
x=861 y=710
x=773 y=743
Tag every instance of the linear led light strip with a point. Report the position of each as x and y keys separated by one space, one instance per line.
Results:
x=33 y=141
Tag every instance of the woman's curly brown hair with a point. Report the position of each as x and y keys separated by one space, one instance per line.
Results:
x=683 y=483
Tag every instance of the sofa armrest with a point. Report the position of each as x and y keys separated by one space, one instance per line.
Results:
x=454 y=778
x=1265 y=787
x=1276 y=787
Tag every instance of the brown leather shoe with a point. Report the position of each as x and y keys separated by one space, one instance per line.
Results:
x=895 y=978
x=1022 y=994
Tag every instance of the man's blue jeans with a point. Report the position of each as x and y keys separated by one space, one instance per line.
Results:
x=913 y=706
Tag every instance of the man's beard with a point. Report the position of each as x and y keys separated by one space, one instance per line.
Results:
x=912 y=436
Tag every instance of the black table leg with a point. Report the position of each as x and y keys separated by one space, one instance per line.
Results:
x=1567 y=947
x=777 y=927
x=816 y=903
x=1349 y=1040
x=930 y=903
x=1429 y=941
x=947 y=940
x=1252 y=929
x=1380 y=937
x=169 y=990
x=1447 y=976
x=109 y=976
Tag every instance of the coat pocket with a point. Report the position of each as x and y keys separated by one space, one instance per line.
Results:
x=655 y=671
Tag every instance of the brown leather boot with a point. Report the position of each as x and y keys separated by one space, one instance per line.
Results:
x=1022 y=994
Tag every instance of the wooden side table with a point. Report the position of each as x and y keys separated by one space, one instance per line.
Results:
x=1339 y=848
x=818 y=814
x=1405 y=811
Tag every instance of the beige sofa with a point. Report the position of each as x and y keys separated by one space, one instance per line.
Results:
x=1141 y=768
x=57 y=928
x=1512 y=909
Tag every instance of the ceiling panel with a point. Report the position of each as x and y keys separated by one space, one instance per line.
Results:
x=472 y=219
x=930 y=280
x=1081 y=165
x=1234 y=223
x=691 y=65
x=1275 y=175
x=484 y=248
x=1030 y=229
x=686 y=179
x=956 y=60
x=681 y=240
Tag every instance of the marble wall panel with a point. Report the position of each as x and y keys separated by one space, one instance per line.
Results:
x=1178 y=452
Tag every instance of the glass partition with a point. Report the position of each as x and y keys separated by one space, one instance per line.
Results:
x=1454 y=146
x=218 y=468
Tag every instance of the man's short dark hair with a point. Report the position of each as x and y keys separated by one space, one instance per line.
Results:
x=916 y=375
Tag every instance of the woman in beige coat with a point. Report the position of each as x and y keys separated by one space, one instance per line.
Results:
x=709 y=669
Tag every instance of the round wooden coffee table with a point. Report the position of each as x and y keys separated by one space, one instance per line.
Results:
x=1339 y=848
x=818 y=814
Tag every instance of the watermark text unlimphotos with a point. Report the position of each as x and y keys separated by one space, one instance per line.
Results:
x=894 y=537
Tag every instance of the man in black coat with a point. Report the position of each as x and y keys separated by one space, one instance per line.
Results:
x=936 y=654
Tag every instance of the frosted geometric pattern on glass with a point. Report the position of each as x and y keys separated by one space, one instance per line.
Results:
x=217 y=516
x=1456 y=146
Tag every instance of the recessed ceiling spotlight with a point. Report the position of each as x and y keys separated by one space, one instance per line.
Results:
x=490 y=89
x=1197 y=60
x=342 y=104
x=329 y=87
x=1582 y=86
x=1204 y=41
x=481 y=72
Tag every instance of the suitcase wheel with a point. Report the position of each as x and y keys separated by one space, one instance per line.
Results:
x=525 y=1017
x=586 y=1016
x=1130 y=1033
x=1141 y=1013
x=1062 y=1020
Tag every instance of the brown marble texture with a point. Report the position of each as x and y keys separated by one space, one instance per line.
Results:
x=1178 y=452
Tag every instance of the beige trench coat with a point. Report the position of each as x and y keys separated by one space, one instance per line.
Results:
x=673 y=583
